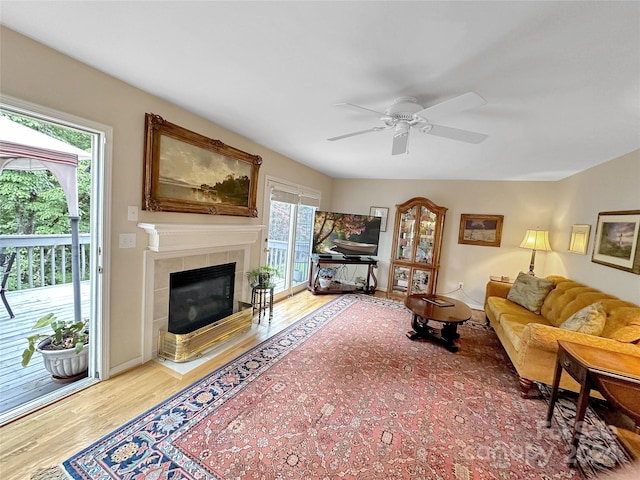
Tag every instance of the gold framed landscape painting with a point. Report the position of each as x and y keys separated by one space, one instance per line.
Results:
x=484 y=230
x=190 y=173
x=617 y=240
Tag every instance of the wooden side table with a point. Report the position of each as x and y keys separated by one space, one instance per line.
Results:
x=615 y=375
x=501 y=279
x=261 y=299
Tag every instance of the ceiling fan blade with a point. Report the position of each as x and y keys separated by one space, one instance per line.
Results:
x=455 y=134
x=400 y=143
x=347 y=135
x=454 y=105
x=360 y=109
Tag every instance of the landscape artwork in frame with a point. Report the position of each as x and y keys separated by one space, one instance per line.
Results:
x=484 y=230
x=190 y=173
x=617 y=240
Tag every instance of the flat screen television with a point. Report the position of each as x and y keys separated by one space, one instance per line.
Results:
x=345 y=233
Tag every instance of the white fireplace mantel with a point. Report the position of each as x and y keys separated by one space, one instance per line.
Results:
x=167 y=237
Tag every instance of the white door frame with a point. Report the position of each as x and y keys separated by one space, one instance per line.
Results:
x=101 y=222
x=269 y=182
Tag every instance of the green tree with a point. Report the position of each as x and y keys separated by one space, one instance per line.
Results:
x=34 y=203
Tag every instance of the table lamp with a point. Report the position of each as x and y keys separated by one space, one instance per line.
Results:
x=535 y=240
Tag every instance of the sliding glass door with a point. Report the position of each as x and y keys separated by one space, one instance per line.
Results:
x=290 y=234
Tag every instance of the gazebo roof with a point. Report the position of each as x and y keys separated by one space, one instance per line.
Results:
x=23 y=148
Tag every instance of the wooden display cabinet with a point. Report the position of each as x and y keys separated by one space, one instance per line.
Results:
x=417 y=242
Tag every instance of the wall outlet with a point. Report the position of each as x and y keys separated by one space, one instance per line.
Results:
x=460 y=285
x=127 y=240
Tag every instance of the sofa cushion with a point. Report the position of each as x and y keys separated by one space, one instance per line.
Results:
x=620 y=314
x=530 y=291
x=496 y=307
x=628 y=334
x=589 y=319
x=568 y=297
x=513 y=325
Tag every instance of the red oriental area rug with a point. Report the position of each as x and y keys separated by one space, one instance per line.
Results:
x=343 y=393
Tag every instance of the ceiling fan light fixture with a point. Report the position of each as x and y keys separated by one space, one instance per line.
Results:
x=405 y=113
x=402 y=129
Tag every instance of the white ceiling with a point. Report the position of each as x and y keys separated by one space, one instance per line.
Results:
x=562 y=79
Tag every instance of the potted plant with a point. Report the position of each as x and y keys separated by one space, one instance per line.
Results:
x=261 y=275
x=64 y=351
x=325 y=276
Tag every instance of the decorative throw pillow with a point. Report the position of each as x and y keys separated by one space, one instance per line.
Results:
x=589 y=320
x=529 y=291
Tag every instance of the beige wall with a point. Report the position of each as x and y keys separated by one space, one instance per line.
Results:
x=549 y=205
x=460 y=263
x=612 y=186
x=37 y=74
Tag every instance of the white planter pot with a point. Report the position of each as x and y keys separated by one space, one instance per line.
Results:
x=325 y=282
x=64 y=363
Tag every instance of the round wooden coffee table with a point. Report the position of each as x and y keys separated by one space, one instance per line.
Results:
x=453 y=314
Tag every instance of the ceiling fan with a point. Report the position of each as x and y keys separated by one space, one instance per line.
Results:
x=406 y=113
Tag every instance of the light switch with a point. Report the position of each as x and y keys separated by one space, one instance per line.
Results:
x=132 y=213
x=127 y=240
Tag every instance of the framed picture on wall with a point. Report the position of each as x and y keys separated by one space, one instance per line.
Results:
x=382 y=212
x=617 y=240
x=190 y=173
x=579 y=242
x=484 y=230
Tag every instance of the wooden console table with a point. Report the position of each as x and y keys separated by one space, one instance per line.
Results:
x=340 y=286
x=615 y=375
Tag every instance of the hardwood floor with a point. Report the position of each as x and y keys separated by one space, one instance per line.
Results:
x=51 y=435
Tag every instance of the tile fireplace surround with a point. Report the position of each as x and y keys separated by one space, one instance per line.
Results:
x=179 y=247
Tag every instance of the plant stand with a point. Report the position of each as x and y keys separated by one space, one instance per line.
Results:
x=261 y=299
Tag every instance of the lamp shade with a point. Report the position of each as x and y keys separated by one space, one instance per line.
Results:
x=536 y=240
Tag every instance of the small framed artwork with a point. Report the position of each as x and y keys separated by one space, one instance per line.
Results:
x=190 y=173
x=484 y=230
x=579 y=242
x=617 y=240
x=382 y=212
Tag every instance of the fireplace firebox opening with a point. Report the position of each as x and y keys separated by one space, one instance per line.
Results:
x=200 y=297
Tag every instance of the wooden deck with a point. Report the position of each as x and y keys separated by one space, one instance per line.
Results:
x=19 y=385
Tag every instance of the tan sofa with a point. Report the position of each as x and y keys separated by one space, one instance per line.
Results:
x=530 y=339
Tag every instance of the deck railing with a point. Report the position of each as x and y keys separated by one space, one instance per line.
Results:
x=277 y=258
x=43 y=260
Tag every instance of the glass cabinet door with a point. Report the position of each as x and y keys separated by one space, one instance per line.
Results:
x=400 y=280
x=420 y=281
x=406 y=234
x=424 y=252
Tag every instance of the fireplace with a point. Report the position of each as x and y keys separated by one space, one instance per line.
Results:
x=178 y=247
x=200 y=297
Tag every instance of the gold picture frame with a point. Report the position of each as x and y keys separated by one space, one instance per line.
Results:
x=483 y=230
x=189 y=173
x=617 y=240
x=579 y=241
